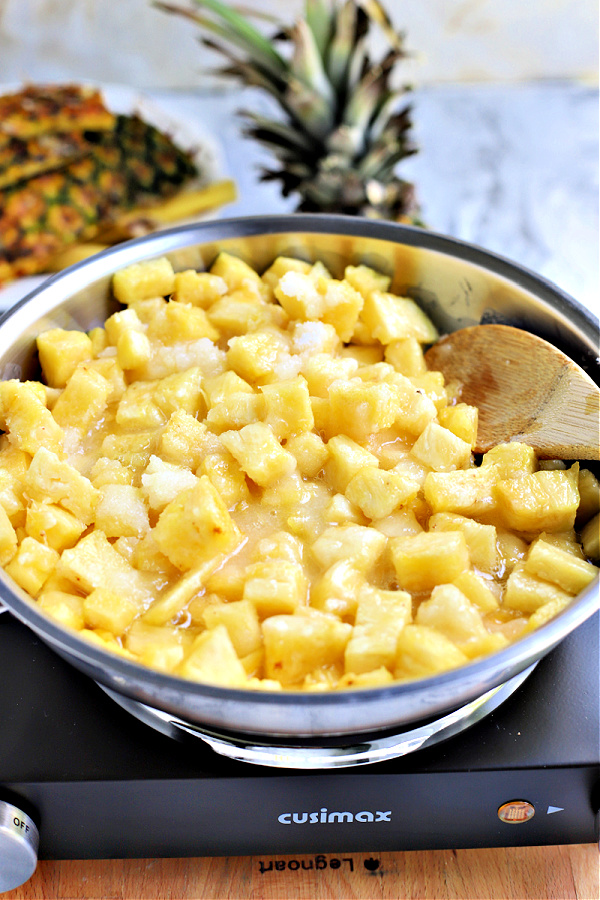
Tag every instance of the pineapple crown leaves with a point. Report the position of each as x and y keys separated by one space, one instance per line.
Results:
x=344 y=129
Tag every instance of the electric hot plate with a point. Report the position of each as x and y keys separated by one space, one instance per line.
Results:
x=99 y=783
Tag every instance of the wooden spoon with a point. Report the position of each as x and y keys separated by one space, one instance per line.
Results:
x=525 y=389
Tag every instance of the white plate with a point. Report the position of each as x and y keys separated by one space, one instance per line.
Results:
x=185 y=133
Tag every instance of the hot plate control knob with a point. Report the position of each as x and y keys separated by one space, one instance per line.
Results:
x=19 y=840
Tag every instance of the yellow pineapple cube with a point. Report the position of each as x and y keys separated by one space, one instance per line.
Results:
x=511 y=460
x=390 y=318
x=259 y=453
x=297 y=645
x=346 y=458
x=414 y=409
x=13 y=467
x=158 y=646
x=137 y=409
x=526 y=592
x=280 y=266
x=359 y=408
x=51 y=479
x=287 y=407
x=433 y=386
x=403 y=521
x=94 y=563
x=50 y=524
x=425 y=560
x=121 y=323
x=321 y=370
x=238 y=274
x=241 y=312
x=477 y=590
x=185 y=441
x=546 y=612
x=380 y=617
x=133 y=349
x=63 y=607
x=110 y=369
x=542 y=501
x=590 y=538
x=552 y=563
x=451 y=613
x=481 y=539
x=241 y=621
x=511 y=549
x=406 y=356
x=181 y=322
x=333 y=302
x=226 y=475
x=468 y=492
x=358 y=543
x=198 y=288
x=105 y=609
x=195 y=526
x=441 y=450
x=309 y=451
x=8 y=538
x=131 y=450
x=589 y=497
x=181 y=392
x=151 y=278
x=234 y=410
x=275 y=587
x=378 y=493
x=375 y=678
x=254 y=356
x=83 y=400
x=162 y=482
x=220 y=387
x=366 y=280
x=60 y=352
x=461 y=420
x=121 y=511
x=339 y=511
x=338 y=590
x=423 y=651
x=279 y=545
x=32 y=564
x=24 y=415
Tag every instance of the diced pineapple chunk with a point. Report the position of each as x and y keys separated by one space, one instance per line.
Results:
x=481 y=539
x=195 y=526
x=8 y=538
x=407 y=357
x=60 y=353
x=309 y=451
x=380 y=617
x=414 y=409
x=235 y=410
x=181 y=322
x=527 y=592
x=590 y=538
x=32 y=564
x=511 y=460
x=337 y=591
x=122 y=323
x=280 y=266
x=185 y=441
x=213 y=660
x=240 y=618
x=259 y=453
x=424 y=560
x=366 y=280
x=133 y=449
x=477 y=590
x=378 y=493
x=389 y=318
x=241 y=312
x=160 y=647
x=287 y=407
x=450 y=612
x=133 y=349
x=325 y=299
x=106 y=609
x=121 y=511
x=24 y=415
x=589 y=497
x=63 y=607
x=94 y=563
x=551 y=563
x=362 y=545
x=238 y=274
x=151 y=278
x=254 y=357
x=423 y=651
x=295 y=645
x=50 y=478
x=359 y=408
x=321 y=370
x=275 y=587
x=50 y=524
x=339 y=511
x=162 y=482
x=468 y=492
x=441 y=450
x=83 y=400
x=461 y=419
x=542 y=501
x=227 y=476
x=346 y=458
x=198 y=288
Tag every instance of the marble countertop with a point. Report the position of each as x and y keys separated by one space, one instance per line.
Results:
x=512 y=168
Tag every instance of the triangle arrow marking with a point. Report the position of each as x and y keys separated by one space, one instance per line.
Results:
x=554 y=809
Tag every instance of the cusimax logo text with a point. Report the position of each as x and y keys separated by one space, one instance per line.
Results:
x=324 y=816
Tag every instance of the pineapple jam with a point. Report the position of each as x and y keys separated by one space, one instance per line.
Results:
x=254 y=481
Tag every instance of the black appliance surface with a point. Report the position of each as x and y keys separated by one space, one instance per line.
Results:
x=101 y=784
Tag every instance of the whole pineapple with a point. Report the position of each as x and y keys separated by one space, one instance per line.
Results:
x=344 y=126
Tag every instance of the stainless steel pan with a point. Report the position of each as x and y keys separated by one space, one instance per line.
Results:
x=458 y=285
